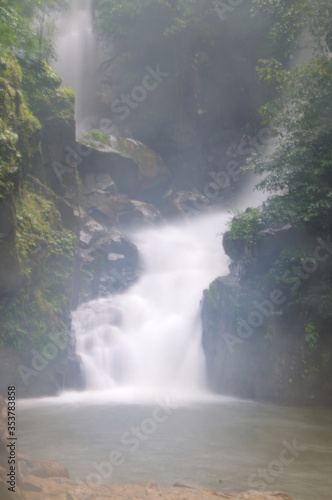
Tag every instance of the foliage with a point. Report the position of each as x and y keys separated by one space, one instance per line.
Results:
x=121 y=19
x=299 y=169
x=99 y=137
x=27 y=28
x=295 y=17
x=17 y=124
x=16 y=35
x=244 y=226
x=39 y=227
x=312 y=335
x=288 y=259
x=41 y=88
x=29 y=91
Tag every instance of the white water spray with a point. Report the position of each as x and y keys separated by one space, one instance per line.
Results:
x=76 y=47
x=148 y=340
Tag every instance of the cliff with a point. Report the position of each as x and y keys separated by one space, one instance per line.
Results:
x=266 y=326
x=38 y=227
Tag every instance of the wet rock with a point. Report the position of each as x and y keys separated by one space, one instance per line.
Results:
x=119 y=209
x=102 y=183
x=184 y=204
x=139 y=213
x=69 y=215
x=134 y=167
x=109 y=261
x=85 y=239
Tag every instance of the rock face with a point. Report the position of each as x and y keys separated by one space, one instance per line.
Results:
x=109 y=261
x=256 y=339
x=58 y=245
x=10 y=276
x=114 y=168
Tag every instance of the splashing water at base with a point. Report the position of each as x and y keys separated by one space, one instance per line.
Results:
x=148 y=339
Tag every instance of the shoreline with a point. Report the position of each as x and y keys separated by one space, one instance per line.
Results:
x=71 y=489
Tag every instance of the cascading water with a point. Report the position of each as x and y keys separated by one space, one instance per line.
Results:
x=76 y=47
x=149 y=338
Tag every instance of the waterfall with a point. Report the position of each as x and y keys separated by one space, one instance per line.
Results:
x=77 y=62
x=148 y=339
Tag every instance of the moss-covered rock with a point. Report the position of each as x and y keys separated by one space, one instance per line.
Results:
x=19 y=129
x=38 y=227
x=46 y=254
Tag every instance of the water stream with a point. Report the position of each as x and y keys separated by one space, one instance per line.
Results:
x=149 y=338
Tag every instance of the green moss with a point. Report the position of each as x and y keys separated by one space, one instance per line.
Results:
x=38 y=226
x=213 y=295
x=312 y=335
x=46 y=252
x=40 y=85
x=101 y=138
x=10 y=69
x=18 y=126
x=38 y=309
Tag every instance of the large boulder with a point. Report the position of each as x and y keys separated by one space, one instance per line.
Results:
x=136 y=169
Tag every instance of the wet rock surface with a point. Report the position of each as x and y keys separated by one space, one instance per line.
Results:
x=109 y=261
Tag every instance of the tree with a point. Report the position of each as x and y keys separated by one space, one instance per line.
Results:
x=300 y=168
x=299 y=171
x=27 y=28
x=15 y=30
x=119 y=19
x=295 y=17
